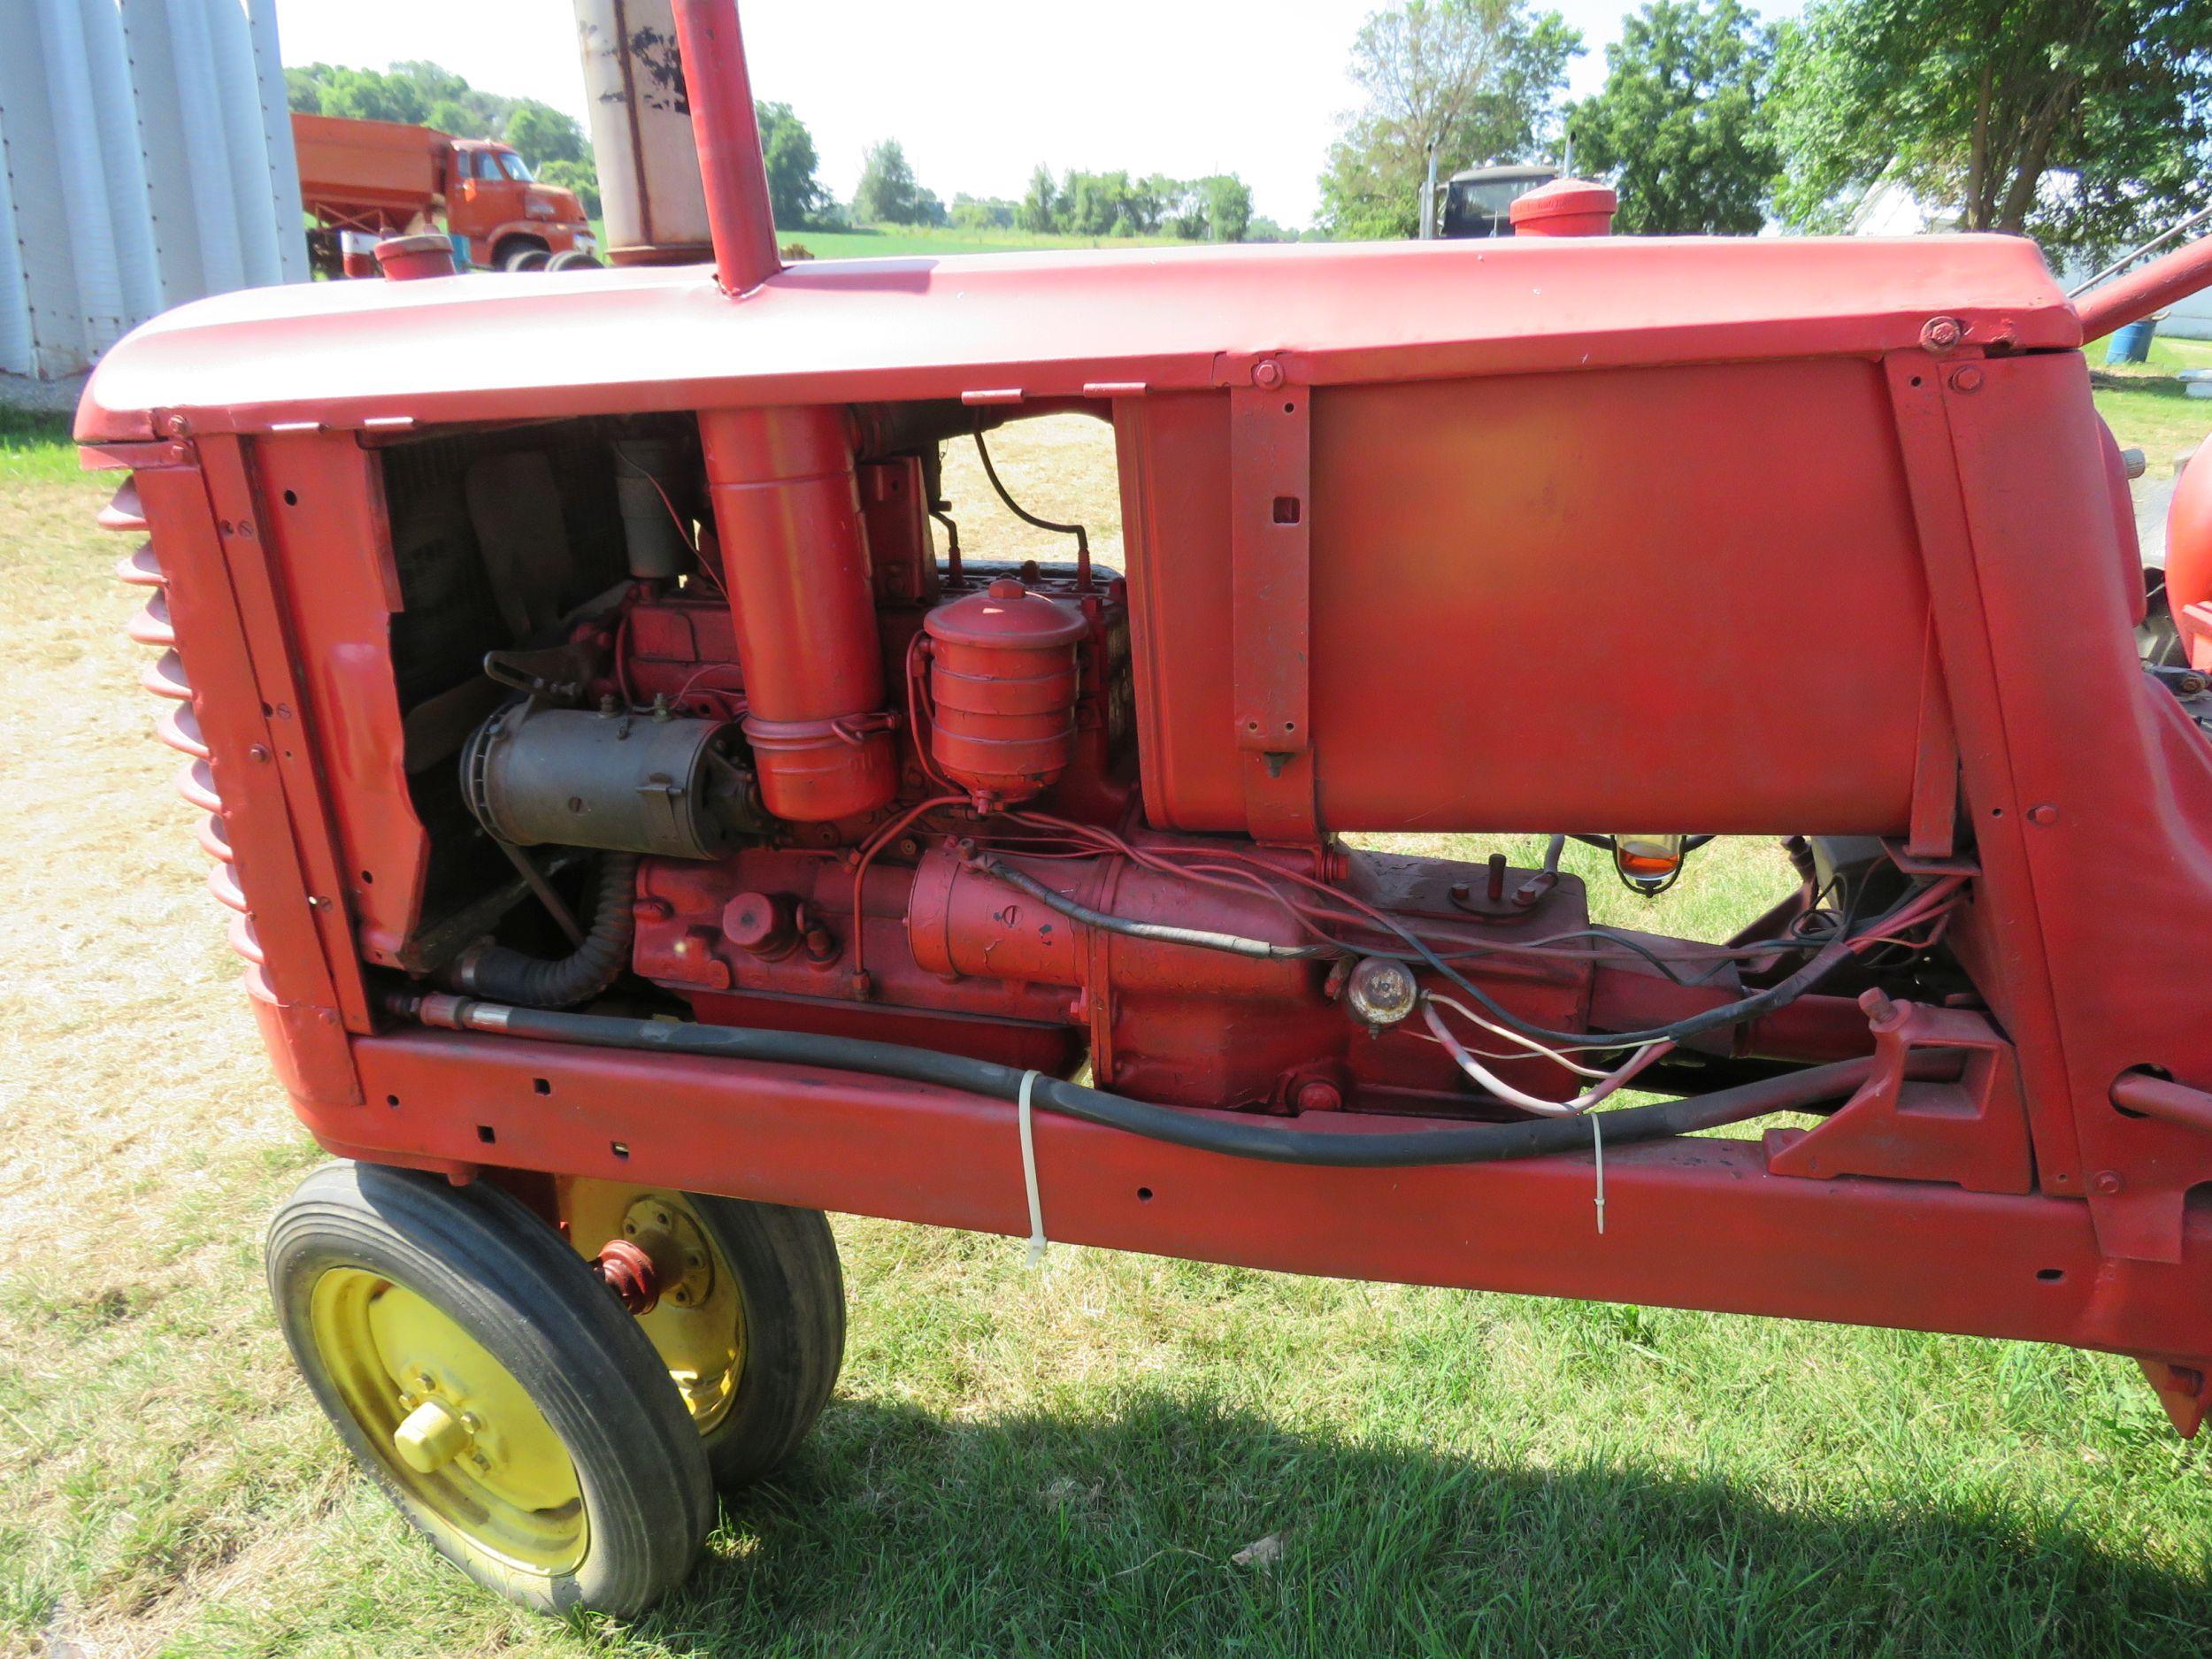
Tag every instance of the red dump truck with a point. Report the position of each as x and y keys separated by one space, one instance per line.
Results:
x=387 y=178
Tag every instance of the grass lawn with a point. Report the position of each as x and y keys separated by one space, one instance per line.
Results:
x=1016 y=1462
x=2157 y=417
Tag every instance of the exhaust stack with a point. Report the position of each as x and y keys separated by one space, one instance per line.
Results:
x=728 y=138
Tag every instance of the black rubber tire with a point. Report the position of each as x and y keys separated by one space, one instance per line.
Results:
x=525 y=259
x=572 y=259
x=482 y=1259
x=793 y=1293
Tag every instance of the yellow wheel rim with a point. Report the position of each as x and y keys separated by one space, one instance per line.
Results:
x=698 y=1326
x=476 y=1458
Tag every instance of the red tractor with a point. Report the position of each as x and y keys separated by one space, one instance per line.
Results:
x=649 y=825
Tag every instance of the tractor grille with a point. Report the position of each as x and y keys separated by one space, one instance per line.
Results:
x=179 y=724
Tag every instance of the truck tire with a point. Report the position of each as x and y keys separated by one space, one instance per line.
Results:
x=527 y=259
x=572 y=259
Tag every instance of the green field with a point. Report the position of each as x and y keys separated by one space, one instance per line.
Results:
x=882 y=242
x=1016 y=1462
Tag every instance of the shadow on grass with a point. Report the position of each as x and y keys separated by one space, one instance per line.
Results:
x=33 y=428
x=895 y=1531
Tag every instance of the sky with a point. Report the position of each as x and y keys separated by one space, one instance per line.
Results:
x=980 y=91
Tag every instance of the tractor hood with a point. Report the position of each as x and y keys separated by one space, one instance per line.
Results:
x=1001 y=328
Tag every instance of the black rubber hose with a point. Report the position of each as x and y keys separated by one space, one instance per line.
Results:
x=508 y=975
x=1082 y=536
x=1159 y=932
x=1232 y=1136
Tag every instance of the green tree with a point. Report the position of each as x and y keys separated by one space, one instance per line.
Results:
x=1228 y=207
x=2083 y=122
x=1182 y=207
x=1097 y=202
x=1040 y=210
x=888 y=192
x=365 y=94
x=1478 y=77
x=579 y=176
x=971 y=212
x=1681 y=125
x=541 y=134
x=795 y=193
x=420 y=90
x=450 y=115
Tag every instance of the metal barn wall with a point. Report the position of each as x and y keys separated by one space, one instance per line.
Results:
x=145 y=160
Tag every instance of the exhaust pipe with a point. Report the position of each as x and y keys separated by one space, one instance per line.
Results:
x=728 y=138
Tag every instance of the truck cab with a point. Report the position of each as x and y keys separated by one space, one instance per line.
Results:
x=1478 y=201
x=494 y=200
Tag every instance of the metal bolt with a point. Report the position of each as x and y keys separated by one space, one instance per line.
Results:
x=1880 y=1011
x=2044 y=814
x=1267 y=374
x=259 y=751
x=1318 y=1095
x=693 y=1258
x=2107 y=1182
x=1969 y=380
x=1941 y=333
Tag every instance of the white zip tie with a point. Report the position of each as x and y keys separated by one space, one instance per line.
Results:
x=1597 y=1145
x=1029 y=1174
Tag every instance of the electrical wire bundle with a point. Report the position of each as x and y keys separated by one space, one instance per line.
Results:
x=1327 y=914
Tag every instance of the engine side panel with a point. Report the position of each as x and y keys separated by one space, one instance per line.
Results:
x=1674 y=598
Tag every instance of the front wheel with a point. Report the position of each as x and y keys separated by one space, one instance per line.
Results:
x=491 y=1384
x=572 y=259
x=747 y=1311
x=530 y=259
